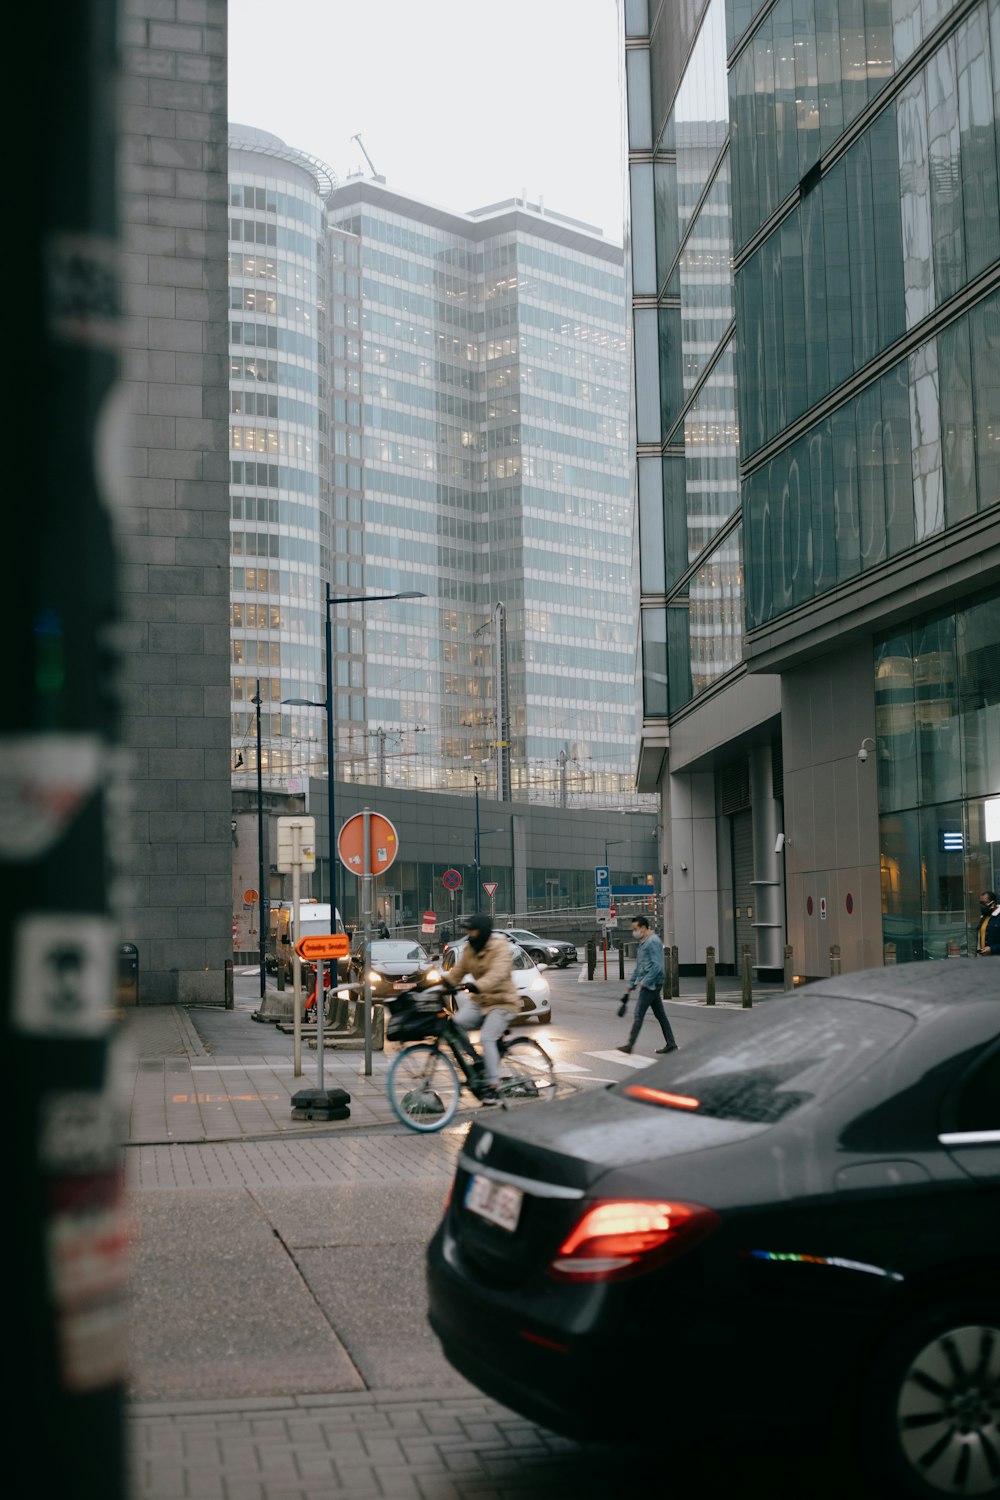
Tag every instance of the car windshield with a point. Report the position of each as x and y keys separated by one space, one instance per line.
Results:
x=521 y=960
x=521 y=936
x=398 y=953
x=791 y=1054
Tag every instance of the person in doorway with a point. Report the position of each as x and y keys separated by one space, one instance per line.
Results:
x=383 y=930
x=988 y=939
x=648 y=974
x=486 y=962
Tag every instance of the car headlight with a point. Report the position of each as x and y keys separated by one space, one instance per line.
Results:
x=538 y=983
x=432 y=976
x=374 y=978
x=553 y=951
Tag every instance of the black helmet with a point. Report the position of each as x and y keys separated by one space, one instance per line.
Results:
x=479 y=927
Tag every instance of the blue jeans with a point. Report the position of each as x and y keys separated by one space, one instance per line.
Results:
x=650 y=1000
x=492 y=1025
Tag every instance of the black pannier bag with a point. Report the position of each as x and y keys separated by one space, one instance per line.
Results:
x=411 y=1018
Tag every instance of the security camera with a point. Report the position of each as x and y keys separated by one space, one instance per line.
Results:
x=779 y=843
x=863 y=752
x=862 y=755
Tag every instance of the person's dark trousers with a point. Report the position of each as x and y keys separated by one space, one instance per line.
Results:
x=650 y=1000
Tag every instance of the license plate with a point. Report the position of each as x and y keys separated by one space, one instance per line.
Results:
x=402 y=984
x=497 y=1202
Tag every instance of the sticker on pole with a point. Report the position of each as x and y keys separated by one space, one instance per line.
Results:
x=63 y=969
x=451 y=880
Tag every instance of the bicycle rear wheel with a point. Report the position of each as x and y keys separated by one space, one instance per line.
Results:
x=423 y=1087
x=526 y=1070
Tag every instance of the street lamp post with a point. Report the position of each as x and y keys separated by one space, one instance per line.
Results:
x=261 y=872
x=328 y=706
x=478 y=887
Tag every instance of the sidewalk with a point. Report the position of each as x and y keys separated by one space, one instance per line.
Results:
x=178 y=1093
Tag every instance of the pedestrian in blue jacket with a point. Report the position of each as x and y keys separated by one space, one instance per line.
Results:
x=648 y=975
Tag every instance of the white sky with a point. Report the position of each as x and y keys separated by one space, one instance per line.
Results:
x=462 y=102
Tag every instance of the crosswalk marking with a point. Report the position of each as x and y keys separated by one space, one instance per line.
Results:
x=627 y=1060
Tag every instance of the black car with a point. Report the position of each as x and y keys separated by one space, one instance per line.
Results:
x=542 y=949
x=396 y=966
x=799 y=1214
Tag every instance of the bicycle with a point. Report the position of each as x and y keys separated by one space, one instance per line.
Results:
x=425 y=1083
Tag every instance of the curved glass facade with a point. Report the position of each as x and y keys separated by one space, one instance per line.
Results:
x=279 y=449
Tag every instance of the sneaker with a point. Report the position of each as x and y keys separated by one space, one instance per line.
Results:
x=670 y=1047
x=489 y=1097
x=626 y=1048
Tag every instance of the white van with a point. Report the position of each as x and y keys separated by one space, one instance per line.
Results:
x=314 y=918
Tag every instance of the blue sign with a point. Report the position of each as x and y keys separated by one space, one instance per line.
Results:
x=451 y=880
x=602 y=878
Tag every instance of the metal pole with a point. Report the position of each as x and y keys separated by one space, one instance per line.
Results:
x=262 y=925
x=331 y=824
x=68 y=1248
x=296 y=962
x=675 y=973
x=709 y=976
x=366 y=906
x=604 y=946
x=478 y=884
x=789 y=977
x=835 y=958
x=747 y=978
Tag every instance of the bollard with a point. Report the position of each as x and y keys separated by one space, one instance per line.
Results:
x=591 y=957
x=128 y=974
x=789 y=977
x=747 y=977
x=230 y=999
x=621 y=960
x=834 y=958
x=675 y=975
x=954 y=949
x=279 y=969
x=709 y=976
x=889 y=954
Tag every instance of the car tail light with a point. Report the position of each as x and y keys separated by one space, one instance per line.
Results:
x=619 y=1239
x=661 y=1096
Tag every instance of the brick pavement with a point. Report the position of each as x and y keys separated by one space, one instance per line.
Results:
x=400 y=1446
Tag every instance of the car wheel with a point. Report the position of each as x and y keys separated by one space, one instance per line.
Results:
x=545 y=1018
x=931 y=1415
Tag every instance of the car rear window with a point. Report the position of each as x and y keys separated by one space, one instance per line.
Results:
x=760 y=1068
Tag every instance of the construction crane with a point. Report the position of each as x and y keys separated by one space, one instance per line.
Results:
x=365 y=155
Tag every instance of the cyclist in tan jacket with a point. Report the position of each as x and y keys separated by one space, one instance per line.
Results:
x=486 y=963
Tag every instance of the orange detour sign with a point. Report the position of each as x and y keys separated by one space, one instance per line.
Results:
x=383 y=844
x=323 y=945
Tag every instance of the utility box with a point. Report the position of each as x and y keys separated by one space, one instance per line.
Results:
x=128 y=974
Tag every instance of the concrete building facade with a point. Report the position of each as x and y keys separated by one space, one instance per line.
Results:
x=174 y=518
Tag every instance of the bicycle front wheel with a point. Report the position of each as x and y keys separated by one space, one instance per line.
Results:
x=424 y=1087
x=526 y=1070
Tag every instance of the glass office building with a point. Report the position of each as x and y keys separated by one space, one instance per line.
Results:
x=839 y=505
x=280 y=446
x=495 y=472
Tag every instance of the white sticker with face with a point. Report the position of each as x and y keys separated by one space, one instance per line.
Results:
x=63 y=966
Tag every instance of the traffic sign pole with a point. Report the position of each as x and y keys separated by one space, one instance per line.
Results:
x=366 y=907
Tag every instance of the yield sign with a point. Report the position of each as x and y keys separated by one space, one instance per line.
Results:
x=491 y=887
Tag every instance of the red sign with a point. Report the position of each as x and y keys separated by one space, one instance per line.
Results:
x=324 y=945
x=451 y=880
x=382 y=839
x=613 y=911
x=249 y=897
x=428 y=921
x=491 y=887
